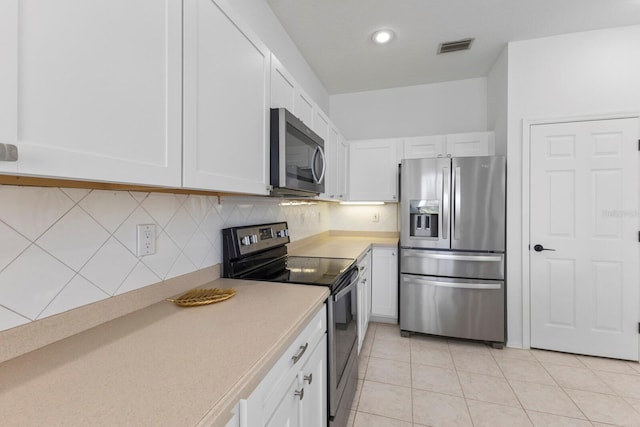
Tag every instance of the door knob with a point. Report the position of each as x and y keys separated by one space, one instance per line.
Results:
x=540 y=248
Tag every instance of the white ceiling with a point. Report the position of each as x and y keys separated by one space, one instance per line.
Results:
x=335 y=35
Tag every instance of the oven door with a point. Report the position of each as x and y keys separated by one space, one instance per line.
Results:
x=343 y=359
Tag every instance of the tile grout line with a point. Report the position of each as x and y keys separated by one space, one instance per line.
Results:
x=464 y=396
x=511 y=388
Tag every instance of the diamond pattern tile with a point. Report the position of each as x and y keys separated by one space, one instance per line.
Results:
x=166 y=255
x=74 y=238
x=162 y=207
x=85 y=242
x=30 y=282
x=12 y=245
x=77 y=293
x=140 y=277
x=181 y=228
x=126 y=233
x=32 y=210
x=9 y=319
x=110 y=266
x=109 y=208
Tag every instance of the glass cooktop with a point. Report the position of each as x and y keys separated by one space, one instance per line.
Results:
x=316 y=271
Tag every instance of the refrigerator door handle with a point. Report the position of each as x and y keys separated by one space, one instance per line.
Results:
x=448 y=257
x=470 y=285
x=446 y=190
x=456 y=202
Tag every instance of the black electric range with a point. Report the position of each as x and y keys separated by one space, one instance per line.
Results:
x=259 y=252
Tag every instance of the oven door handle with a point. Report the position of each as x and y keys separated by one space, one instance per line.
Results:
x=346 y=289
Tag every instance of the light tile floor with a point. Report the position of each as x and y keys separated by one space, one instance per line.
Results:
x=430 y=381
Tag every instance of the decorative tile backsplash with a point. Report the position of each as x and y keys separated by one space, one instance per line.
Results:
x=62 y=248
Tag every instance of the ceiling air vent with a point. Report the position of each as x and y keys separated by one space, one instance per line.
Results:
x=455 y=46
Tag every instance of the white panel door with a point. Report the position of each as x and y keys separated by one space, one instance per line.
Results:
x=93 y=89
x=584 y=209
x=226 y=101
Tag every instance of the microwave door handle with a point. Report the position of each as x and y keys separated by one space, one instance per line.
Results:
x=317 y=179
x=446 y=191
x=324 y=164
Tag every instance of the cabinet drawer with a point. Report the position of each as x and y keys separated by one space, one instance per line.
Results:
x=279 y=379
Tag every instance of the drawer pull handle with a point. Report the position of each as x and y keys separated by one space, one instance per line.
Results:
x=308 y=378
x=297 y=357
x=299 y=393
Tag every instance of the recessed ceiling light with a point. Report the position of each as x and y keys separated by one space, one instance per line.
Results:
x=383 y=36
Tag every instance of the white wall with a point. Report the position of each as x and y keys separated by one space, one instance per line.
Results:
x=439 y=108
x=360 y=218
x=587 y=73
x=497 y=107
x=261 y=19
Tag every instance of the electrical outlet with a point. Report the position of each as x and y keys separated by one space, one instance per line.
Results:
x=146 y=239
x=376 y=217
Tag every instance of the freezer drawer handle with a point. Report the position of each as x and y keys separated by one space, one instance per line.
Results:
x=477 y=258
x=455 y=284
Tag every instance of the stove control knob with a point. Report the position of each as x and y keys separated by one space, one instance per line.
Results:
x=281 y=233
x=254 y=239
x=245 y=241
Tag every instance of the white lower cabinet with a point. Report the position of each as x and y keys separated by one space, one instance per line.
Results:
x=384 y=284
x=364 y=297
x=294 y=392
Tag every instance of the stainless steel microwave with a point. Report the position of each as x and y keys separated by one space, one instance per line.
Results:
x=297 y=157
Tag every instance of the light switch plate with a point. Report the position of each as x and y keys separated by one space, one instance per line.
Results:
x=146 y=239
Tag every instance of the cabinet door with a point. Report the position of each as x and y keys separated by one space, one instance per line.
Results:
x=364 y=297
x=303 y=108
x=343 y=169
x=373 y=172
x=283 y=90
x=331 y=173
x=226 y=101
x=470 y=144
x=424 y=146
x=93 y=89
x=384 y=286
x=313 y=377
x=287 y=412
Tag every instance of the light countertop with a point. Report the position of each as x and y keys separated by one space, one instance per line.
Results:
x=160 y=366
x=166 y=365
x=339 y=245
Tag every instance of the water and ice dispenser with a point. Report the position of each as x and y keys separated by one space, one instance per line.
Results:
x=423 y=221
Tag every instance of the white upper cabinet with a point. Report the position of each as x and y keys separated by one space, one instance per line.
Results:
x=470 y=144
x=304 y=108
x=373 y=171
x=283 y=87
x=424 y=146
x=343 y=169
x=453 y=145
x=92 y=90
x=226 y=101
x=331 y=174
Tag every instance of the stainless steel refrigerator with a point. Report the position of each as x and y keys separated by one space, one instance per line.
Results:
x=452 y=242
